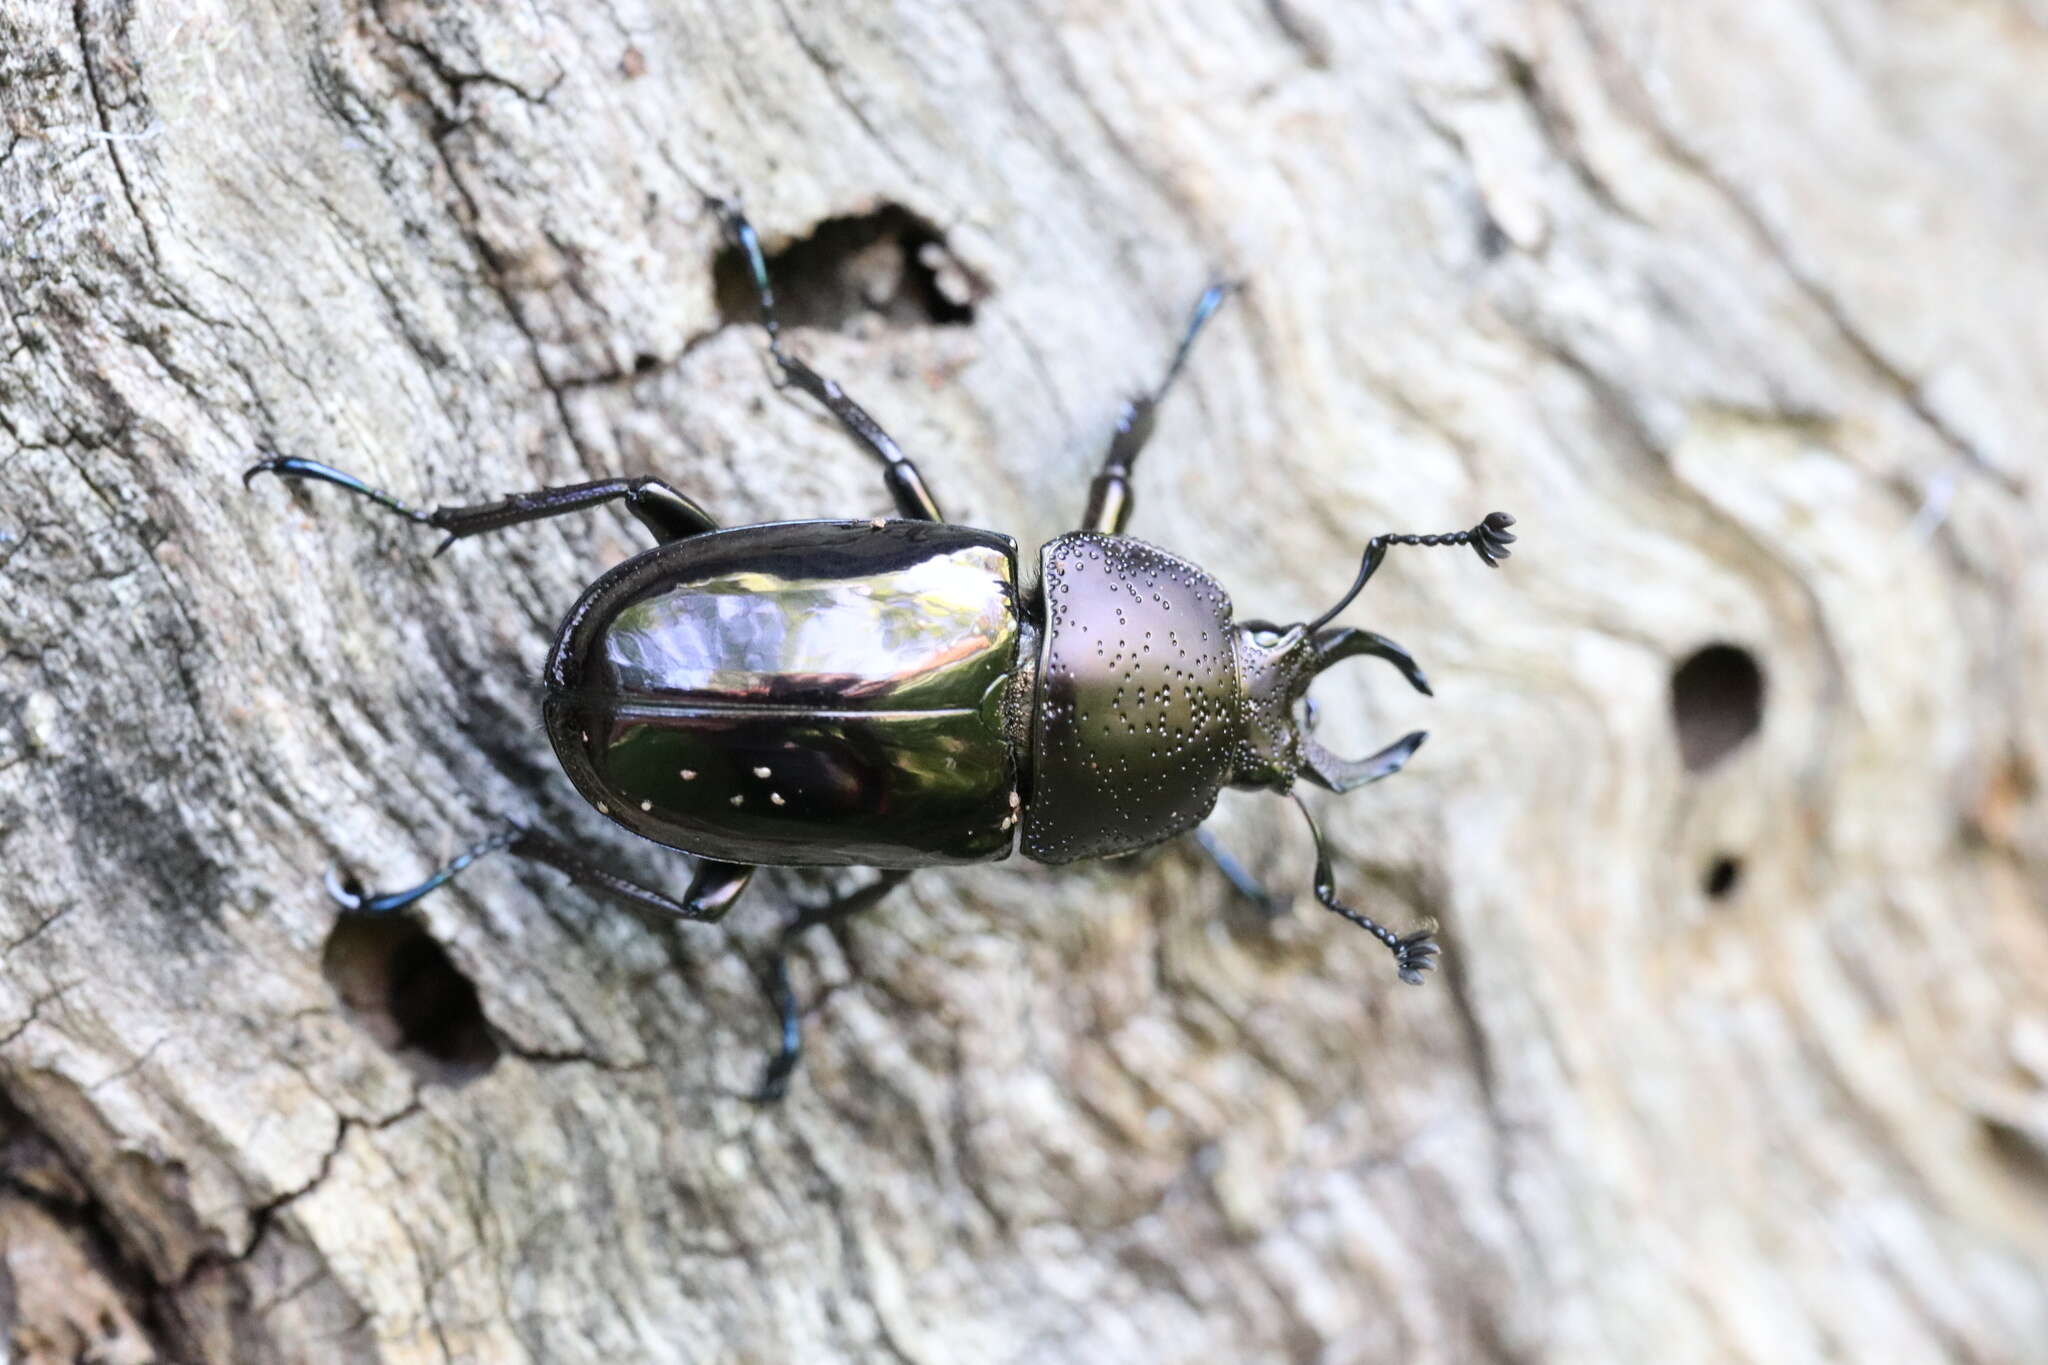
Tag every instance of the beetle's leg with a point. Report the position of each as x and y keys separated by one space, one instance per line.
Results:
x=660 y=508
x=1109 y=497
x=1240 y=877
x=906 y=486
x=775 y=981
x=712 y=891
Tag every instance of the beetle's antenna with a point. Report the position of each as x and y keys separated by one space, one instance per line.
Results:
x=1414 y=953
x=1489 y=538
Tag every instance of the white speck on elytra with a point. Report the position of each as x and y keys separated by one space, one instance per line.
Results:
x=737 y=798
x=603 y=809
x=689 y=774
x=760 y=772
x=776 y=797
x=879 y=522
x=646 y=805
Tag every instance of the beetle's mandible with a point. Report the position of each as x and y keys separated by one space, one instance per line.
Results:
x=888 y=693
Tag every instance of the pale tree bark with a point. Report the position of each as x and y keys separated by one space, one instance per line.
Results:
x=1738 y=306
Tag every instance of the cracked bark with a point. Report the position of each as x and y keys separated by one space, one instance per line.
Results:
x=1736 y=306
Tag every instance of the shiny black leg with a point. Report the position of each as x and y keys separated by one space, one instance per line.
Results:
x=906 y=486
x=660 y=508
x=775 y=981
x=1109 y=497
x=1240 y=877
x=713 y=888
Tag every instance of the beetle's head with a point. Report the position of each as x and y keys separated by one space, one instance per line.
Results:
x=1275 y=666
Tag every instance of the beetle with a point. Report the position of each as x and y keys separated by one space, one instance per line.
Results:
x=890 y=694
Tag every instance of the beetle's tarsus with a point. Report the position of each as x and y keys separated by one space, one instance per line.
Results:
x=782 y=1062
x=1110 y=496
x=292 y=467
x=349 y=894
x=343 y=890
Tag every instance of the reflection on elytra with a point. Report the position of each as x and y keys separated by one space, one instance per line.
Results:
x=763 y=694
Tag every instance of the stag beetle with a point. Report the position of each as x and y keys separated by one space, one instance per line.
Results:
x=887 y=694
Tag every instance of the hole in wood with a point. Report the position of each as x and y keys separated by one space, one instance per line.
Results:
x=1724 y=874
x=1717 y=702
x=889 y=263
x=401 y=988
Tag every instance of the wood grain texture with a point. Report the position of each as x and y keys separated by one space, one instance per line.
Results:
x=1736 y=306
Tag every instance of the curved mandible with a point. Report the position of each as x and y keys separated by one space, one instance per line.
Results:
x=1347 y=642
x=1338 y=774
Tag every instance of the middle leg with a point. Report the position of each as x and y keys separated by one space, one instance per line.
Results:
x=906 y=486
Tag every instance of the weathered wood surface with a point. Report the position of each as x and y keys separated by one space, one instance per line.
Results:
x=1738 y=306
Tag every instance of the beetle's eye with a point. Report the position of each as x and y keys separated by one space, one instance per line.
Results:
x=1266 y=639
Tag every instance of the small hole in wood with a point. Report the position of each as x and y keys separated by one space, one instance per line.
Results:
x=1724 y=874
x=1717 y=702
x=401 y=987
x=889 y=263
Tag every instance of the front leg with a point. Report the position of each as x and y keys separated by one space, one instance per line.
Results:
x=1110 y=499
